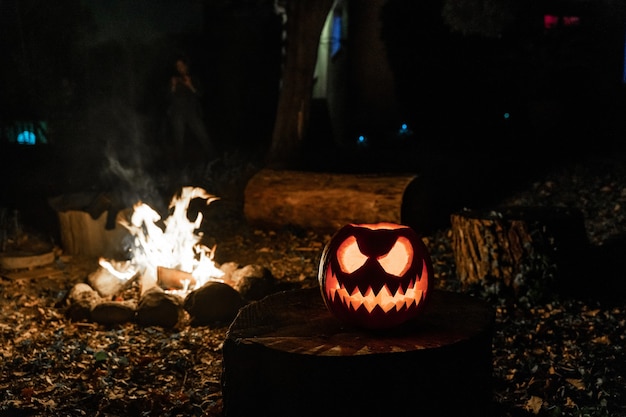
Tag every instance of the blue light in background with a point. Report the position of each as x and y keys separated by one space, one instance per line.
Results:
x=25 y=132
x=404 y=130
x=335 y=39
x=26 y=138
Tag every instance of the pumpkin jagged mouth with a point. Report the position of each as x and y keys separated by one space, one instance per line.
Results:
x=385 y=300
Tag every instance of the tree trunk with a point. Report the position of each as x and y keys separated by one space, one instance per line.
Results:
x=305 y=21
x=286 y=355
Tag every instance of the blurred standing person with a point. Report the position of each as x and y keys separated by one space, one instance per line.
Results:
x=185 y=112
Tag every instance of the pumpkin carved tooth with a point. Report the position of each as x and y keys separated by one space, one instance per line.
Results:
x=384 y=298
x=375 y=275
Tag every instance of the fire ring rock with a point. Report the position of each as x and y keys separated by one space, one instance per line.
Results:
x=253 y=282
x=215 y=303
x=158 y=308
x=114 y=312
x=81 y=300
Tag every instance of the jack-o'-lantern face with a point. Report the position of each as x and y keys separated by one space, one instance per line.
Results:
x=375 y=275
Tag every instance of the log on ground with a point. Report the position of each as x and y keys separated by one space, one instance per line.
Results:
x=286 y=355
x=328 y=201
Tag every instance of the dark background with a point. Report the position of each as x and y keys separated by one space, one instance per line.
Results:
x=97 y=74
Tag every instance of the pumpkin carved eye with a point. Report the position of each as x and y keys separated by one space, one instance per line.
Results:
x=398 y=260
x=349 y=256
x=395 y=262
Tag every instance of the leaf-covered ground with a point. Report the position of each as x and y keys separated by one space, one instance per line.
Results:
x=561 y=356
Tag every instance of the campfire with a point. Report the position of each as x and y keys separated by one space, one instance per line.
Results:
x=167 y=271
x=171 y=256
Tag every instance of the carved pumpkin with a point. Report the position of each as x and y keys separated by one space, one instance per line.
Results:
x=375 y=275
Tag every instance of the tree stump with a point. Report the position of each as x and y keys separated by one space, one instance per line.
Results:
x=524 y=250
x=83 y=222
x=21 y=260
x=286 y=355
x=85 y=236
x=326 y=202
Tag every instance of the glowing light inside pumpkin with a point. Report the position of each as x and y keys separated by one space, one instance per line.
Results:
x=396 y=262
x=384 y=299
x=351 y=258
x=375 y=275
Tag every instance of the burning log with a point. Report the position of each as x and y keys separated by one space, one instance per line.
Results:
x=109 y=281
x=102 y=299
x=171 y=263
x=118 y=300
x=165 y=255
x=174 y=279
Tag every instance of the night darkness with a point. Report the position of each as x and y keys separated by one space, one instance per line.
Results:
x=532 y=118
x=96 y=71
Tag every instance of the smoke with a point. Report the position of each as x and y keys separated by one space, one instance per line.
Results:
x=144 y=20
x=122 y=152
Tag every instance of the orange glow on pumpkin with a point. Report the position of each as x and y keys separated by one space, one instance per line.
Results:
x=375 y=275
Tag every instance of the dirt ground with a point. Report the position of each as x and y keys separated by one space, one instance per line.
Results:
x=558 y=356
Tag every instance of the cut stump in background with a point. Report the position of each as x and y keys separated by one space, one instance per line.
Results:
x=85 y=236
x=327 y=201
x=83 y=220
x=26 y=251
x=518 y=248
x=12 y=261
x=286 y=355
x=87 y=227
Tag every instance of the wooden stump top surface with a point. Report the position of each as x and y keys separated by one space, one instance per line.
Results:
x=298 y=322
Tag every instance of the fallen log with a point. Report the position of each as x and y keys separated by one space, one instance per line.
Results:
x=327 y=201
x=286 y=355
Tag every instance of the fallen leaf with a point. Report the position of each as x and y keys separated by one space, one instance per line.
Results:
x=534 y=404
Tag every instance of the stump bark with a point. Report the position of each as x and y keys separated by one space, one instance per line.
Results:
x=518 y=247
x=84 y=219
x=286 y=355
x=85 y=236
x=326 y=201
